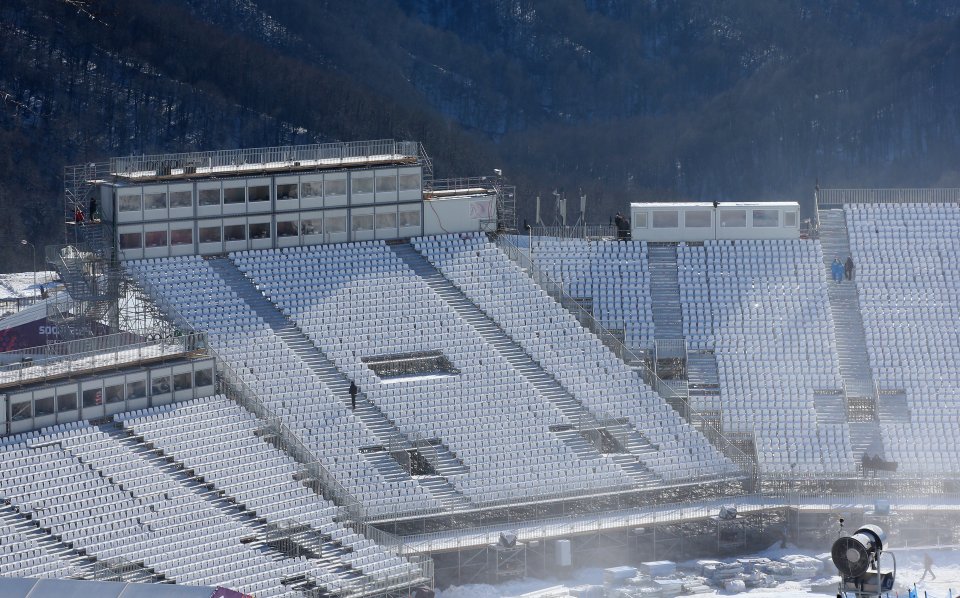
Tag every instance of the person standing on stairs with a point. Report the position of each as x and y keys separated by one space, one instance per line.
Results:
x=848 y=267
x=353 y=395
x=836 y=268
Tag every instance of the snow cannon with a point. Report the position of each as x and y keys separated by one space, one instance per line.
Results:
x=857 y=558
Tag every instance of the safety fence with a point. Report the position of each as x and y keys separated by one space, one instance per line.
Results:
x=244 y=159
x=828 y=198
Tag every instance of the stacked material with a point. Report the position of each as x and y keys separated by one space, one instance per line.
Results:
x=618 y=575
x=658 y=568
x=804 y=567
x=720 y=573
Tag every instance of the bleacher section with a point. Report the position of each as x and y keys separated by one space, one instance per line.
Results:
x=262 y=479
x=576 y=358
x=22 y=555
x=360 y=301
x=612 y=278
x=908 y=280
x=252 y=472
x=281 y=380
x=491 y=396
x=761 y=306
x=91 y=491
x=179 y=499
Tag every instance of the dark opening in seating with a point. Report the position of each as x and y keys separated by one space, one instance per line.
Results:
x=409 y=365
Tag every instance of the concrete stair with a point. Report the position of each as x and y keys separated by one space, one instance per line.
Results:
x=845 y=309
x=665 y=292
x=440 y=488
x=865 y=438
x=892 y=406
x=847 y=319
x=831 y=408
x=370 y=414
x=577 y=443
x=703 y=380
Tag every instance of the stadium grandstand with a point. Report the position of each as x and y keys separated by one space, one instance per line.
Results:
x=320 y=371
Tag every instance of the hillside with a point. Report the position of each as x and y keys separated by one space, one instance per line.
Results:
x=755 y=99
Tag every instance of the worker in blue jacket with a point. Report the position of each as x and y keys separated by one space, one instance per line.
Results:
x=836 y=269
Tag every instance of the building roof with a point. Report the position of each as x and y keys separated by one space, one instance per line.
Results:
x=709 y=204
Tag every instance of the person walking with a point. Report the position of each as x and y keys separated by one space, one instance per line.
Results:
x=353 y=395
x=836 y=268
x=848 y=268
x=927 y=567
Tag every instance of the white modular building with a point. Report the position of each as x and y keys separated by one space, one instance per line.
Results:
x=702 y=221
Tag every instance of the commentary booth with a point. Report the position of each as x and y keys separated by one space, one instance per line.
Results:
x=208 y=203
x=702 y=221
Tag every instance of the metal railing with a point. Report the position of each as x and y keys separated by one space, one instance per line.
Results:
x=566 y=525
x=523 y=260
x=577 y=497
x=844 y=488
x=789 y=496
x=465 y=183
x=118 y=569
x=837 y=197
x=243 y=159
x=585 y=231
x=666 y=348
x=110 y=351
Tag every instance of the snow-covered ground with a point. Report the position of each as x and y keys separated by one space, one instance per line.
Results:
x=946 y=566
x=16 y=285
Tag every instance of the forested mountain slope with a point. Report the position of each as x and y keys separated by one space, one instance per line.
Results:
x=628 y=99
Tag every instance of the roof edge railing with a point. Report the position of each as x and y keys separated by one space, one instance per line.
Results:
x=188 y=163
x=834 y=198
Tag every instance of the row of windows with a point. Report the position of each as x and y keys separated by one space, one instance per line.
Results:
x=115 y=393
x=262 y=230
x=761 y=218
x=132 y=201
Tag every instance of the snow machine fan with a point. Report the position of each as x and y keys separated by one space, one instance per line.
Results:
x=857 y=558
x=853 y=554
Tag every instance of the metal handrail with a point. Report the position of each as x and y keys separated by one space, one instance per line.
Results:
x=630 y=517
x=583 y=231
x=840 y=197
x=556 y=291
x=464 y=183
x=565 y=526
x=664 y=346
x=234 y=160
x=353 y=512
